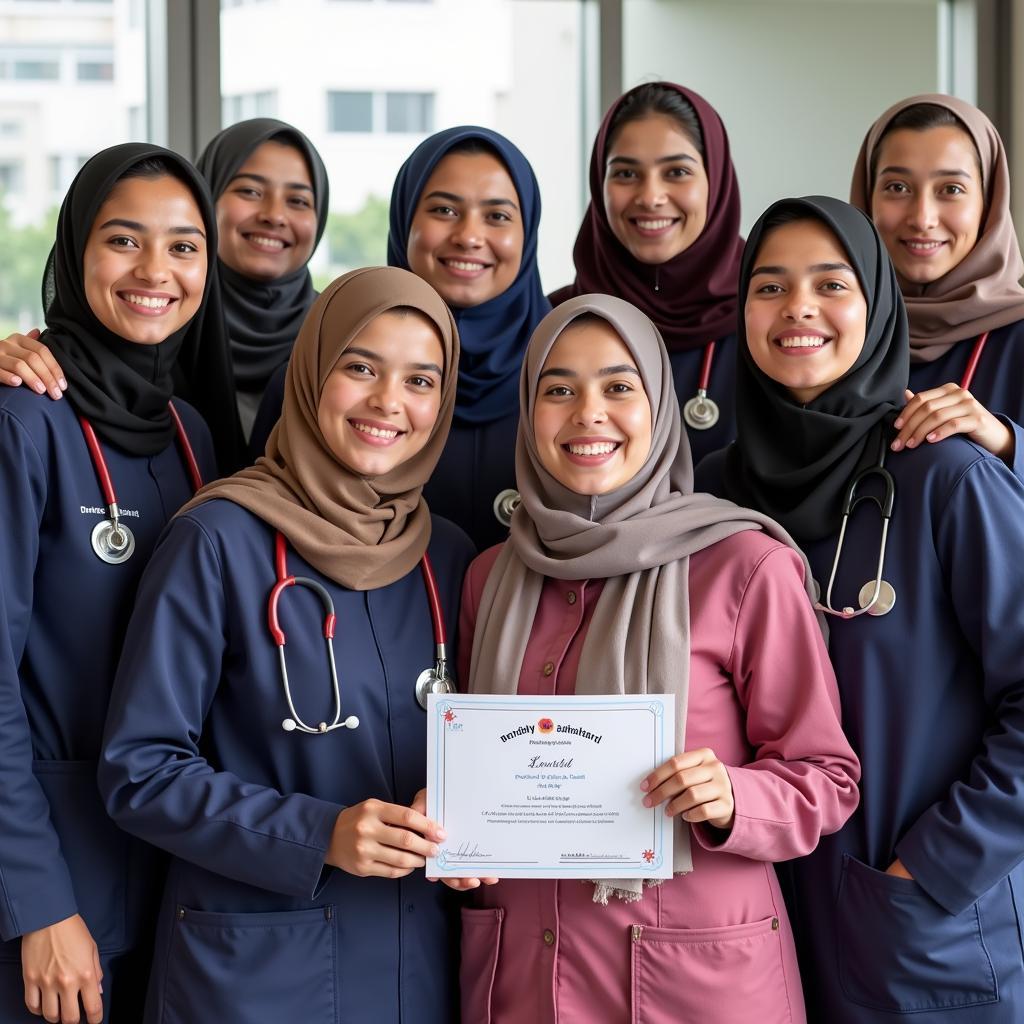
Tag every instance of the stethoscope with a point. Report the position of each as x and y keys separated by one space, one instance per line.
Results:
x=877 y=596
x=431 y=680
x=701 y=412
x=112 y=540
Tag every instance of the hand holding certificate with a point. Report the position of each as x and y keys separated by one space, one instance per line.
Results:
x=548 y=787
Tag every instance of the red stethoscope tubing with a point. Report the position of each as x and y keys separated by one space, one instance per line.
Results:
x=103 y=472
x=973 y=360
x=705 y=367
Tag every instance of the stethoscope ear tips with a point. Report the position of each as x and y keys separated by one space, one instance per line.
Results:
x=288 y=725
x=351 y=722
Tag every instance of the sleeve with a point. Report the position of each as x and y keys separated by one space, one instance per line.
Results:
x=802 y=783
x=35 y=884
x=972 y=838
x=1016 y=464
x=156 y=783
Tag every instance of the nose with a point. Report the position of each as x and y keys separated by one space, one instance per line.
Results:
x=385 y=396
x=468 y=232
x=590 y=408
x=272 y=209
x=923 y=212
x=801 y=304
x=151 y=265
x=651 y=192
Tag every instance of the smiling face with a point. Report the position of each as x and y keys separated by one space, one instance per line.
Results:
x=805 y=313
x=928 y=201
x=379 y=405
x=266 y=217
x=466 y=236
x=592 y=416
x=145 y=259
x=655 y=189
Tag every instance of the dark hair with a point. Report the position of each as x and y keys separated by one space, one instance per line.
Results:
x=921 y=117
x=786 y=215
x=152 y=167
x=654 y=98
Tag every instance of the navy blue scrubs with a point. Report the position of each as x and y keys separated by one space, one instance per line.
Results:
x=686 y=368
x=253 y=926
x=63 y=615
x=998 y=381
x=933 y=703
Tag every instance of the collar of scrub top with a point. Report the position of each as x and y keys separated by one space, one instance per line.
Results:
x=431 y=680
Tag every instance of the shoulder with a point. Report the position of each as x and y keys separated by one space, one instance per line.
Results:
x=737 y=559
x=450 y=548
x=226 y=525
x=935 y=470
x=38 y=416
x=1011 y=334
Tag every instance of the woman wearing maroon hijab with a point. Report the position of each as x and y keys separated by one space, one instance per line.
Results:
x=662 y=231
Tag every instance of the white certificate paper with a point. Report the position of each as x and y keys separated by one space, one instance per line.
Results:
x=548 y=787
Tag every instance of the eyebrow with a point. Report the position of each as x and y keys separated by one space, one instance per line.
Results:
x=675 y=158
x=607 y=371
x=134 y=225
x=266 y=181
x=453 y=198
x=367 y=354
x=817 y=268
x=949 y=173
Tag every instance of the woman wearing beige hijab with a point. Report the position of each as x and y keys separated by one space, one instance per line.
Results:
x=617 y=578
x=932 y=175
x=276 y=760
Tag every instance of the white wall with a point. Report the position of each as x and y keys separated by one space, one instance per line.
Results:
x=797 y=82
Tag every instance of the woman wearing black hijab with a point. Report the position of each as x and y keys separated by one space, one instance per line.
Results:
x=130 y=299
x=270 y=187
x=910 y=907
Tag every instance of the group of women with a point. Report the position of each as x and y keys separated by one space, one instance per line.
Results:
x=211 y=746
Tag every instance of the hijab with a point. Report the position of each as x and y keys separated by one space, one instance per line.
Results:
x=691 y=297
x=983 y=291
x=794 y=461
x=263 y=317
x=493 y=334
x=123 y=388
x=361 y=532
x=638 y=538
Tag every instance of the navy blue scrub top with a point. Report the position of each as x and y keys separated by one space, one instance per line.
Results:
x=63 y=614
x=721 y=388
x=253 y=926
x=998 y=381
x=933 y=703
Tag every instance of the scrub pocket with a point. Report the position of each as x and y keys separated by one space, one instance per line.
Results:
x=731 y=975
x=94 y=848
x=900 y=951
x=256 y=968
x=481 y=945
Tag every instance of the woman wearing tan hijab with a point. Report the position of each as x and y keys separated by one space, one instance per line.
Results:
x=276 y=761
x=932 y=175
x=617 y=578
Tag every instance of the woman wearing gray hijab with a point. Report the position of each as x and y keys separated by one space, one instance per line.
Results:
x=617 y=578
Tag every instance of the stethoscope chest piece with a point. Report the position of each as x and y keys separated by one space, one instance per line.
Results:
x=431 y=681
x=701 y=412
x=113 y=542
x=885 y=601
x=505 y=503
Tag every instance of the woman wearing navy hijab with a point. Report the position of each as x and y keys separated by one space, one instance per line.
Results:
x=132 y=298
x=465 y=211
x=913 y=907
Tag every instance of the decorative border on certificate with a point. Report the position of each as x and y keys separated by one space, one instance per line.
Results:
x=551 y=785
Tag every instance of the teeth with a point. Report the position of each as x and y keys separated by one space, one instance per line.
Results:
x=374 y=431
x=654 y=225
x=923 y=246
x=604 y=448
x=267 y=243
x=463 y=265
x=147 y=301
x=808 y=342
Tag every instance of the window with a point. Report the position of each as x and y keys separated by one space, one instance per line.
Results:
x=10 y=129
x=410 y=112
x=10 y=178
x=350 y=111
x=95 y=70
x=30 y=70
x=253 y=104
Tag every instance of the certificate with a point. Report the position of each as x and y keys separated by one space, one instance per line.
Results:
x=548 y=787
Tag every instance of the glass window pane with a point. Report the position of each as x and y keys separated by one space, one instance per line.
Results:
x=366 y=96
x=72 y=81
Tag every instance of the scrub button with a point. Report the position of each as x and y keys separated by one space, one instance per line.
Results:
x=549 y=667
x=549 y=937
x=571 y=597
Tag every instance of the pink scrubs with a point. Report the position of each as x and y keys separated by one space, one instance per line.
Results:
x=713 y=946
